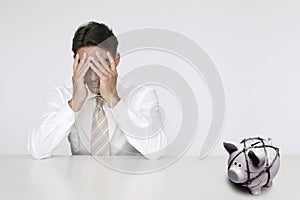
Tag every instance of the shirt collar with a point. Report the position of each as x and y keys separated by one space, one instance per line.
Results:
x=90 y=94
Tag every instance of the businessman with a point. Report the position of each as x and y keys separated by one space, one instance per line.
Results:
x=90 y=113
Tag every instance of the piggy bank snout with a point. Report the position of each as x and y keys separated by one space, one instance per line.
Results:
x=235 y=176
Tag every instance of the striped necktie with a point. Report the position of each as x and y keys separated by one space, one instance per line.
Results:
x=99 y=132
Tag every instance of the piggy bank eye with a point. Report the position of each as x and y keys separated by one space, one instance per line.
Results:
x=235 y=163
x=240 y=165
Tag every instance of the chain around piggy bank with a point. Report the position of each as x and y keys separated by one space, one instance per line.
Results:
x=252 y=163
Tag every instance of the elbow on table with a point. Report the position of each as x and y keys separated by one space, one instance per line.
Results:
x=156 y=151
x=38 y=153
x=154 y=155
x=39 y=156
x=36 y=150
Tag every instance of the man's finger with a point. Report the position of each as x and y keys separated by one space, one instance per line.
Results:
x=98 y=65
x=111 y=61
x=82 y=61
x=102 y=61
x=75 y=63
x=97 y=71
x=82 y=71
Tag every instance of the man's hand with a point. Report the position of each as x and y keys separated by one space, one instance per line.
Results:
x=108 y=78
x=79 y=89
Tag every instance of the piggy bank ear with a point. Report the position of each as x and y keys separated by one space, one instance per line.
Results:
x=256 y=159
x=230 y=147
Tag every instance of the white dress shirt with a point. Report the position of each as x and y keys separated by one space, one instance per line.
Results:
x=134 y=123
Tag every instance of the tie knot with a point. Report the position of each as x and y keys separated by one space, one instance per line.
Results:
x=99 y=100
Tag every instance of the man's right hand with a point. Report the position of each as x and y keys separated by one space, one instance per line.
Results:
x=80 y=67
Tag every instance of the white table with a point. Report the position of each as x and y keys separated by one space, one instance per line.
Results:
x=83 y=177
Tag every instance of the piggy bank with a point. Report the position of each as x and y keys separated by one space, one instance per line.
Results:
x=253 y=163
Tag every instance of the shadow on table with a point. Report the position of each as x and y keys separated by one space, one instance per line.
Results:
x=244 y=190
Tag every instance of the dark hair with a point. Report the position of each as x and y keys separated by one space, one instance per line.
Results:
x=95 y=34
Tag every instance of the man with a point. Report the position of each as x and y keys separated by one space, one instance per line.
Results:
x=90 y=112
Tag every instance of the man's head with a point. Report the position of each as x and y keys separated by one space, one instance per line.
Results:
x=92 y=37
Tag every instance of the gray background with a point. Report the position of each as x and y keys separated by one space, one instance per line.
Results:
x=253 y=43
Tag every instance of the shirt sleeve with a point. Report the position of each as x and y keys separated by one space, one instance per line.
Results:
x=54 y=125
x=140 y=120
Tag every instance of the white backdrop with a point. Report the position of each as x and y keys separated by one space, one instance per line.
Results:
x=254 y=44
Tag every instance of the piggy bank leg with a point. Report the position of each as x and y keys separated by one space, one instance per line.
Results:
x=269 y=184
x=255 y=190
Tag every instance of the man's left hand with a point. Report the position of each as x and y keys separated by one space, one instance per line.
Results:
x=108 y=78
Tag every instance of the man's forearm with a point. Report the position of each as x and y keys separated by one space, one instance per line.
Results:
x=113 y=101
